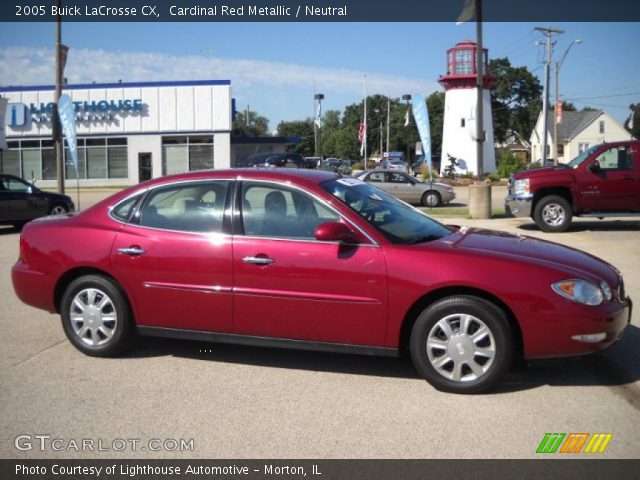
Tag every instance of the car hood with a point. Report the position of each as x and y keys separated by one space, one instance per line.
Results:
x=522 y=249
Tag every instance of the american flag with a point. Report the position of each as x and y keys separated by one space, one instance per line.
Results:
x=362 y=131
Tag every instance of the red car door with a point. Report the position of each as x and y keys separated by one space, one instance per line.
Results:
x=614 y=186
x=175 y=260
x=289 y=285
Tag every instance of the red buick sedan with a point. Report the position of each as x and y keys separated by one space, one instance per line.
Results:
x=314 y=260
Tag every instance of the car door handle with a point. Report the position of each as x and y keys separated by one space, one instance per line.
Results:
x=134 y=251
x=258 y=260
x=627 y=177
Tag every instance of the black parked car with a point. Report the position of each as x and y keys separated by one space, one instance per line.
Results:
x=273 y=160
x=21 y=201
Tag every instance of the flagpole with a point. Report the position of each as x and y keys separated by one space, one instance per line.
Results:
x=365 y=122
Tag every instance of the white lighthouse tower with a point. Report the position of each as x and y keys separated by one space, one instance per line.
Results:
x=461 y=94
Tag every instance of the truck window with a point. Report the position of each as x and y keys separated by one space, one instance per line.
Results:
x=616 y=158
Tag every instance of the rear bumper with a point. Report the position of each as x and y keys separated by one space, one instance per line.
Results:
x=33 y=288
x=518 y=206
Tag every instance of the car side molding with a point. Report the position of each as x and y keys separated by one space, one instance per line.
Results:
x=255 y=341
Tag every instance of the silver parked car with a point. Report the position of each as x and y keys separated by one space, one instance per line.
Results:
x=409 y=189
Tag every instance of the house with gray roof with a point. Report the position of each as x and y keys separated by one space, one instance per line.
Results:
x=576 y=133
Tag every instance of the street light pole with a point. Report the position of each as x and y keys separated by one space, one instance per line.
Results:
x=407 y=98
x=555 y=117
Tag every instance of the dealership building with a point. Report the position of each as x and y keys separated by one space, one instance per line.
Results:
x=127 y=132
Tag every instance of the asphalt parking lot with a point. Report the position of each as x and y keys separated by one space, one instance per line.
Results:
x=243 y=402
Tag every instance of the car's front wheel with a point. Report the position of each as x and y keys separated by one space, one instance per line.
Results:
x=96 y=316
x=431 y=199
x=462 y=344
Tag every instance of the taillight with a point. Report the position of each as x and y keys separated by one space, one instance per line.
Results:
x=23 y=249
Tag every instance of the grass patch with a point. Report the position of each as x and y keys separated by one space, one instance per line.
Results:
x=460 y=212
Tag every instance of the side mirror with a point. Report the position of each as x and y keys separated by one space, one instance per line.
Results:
x=594 y=166
x=335 y=232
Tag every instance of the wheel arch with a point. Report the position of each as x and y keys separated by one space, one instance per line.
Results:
x=65 y=280
x=428 y=299
x=563 y=192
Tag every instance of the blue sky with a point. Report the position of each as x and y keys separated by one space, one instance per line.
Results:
x=276 y=67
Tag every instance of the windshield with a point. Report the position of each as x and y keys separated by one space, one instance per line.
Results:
x=576 y=162
x=397 y=221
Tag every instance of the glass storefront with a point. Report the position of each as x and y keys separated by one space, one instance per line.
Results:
x=98 y=158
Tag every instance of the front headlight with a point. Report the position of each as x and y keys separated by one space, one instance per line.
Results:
x=581 y=291
x=521 y=187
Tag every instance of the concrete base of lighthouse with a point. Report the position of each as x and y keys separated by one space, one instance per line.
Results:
x=480 y=200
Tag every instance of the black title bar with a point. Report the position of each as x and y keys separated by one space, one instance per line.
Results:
x=320 y=11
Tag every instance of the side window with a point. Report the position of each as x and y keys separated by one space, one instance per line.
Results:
x=273 y=211
x=376 y=177
x=14 y=185
x=616 y=158
x=398 y=178
x=186 y=208
x=122 y=211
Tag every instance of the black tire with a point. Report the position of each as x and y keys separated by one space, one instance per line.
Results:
x=461 y=349
x=94 y=342
x=553 y=213
x=58 y=209
x=431 y=198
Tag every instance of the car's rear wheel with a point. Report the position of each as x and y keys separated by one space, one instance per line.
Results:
x=96 y=316
x=431 y=199
x=553 y=214
x=58 y=209
x=462 y=344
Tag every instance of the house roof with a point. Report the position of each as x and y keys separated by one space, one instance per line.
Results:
x=572 y=123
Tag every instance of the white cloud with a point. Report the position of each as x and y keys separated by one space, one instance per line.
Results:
x=35 y=66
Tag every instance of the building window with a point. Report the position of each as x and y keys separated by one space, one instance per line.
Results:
x=601 y=126
x=10 y=160
x=31 y=166
x=49 y=168
x=462 y=123
x=583 y=147
x=183 y=154
x=561 y=150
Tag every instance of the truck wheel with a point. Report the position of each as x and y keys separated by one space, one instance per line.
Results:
x=553 y=214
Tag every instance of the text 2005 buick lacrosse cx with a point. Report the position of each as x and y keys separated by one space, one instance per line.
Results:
x=314 y=260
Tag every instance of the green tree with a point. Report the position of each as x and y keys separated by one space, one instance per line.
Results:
x=256 y=126
x=634 y=121
x=516 y=99
x=302 y=129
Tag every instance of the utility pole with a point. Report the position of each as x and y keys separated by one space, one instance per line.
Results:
x=388 y=117
x=547 y=32
x=479 y=89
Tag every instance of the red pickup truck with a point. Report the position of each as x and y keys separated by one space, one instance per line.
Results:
x=603 y=181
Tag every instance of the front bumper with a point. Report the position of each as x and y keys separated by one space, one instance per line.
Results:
x=610 y=319
x=517 y=206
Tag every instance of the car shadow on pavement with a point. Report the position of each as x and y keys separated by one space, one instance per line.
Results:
x=9 y=229
x=595 y=225
x=616 y=367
